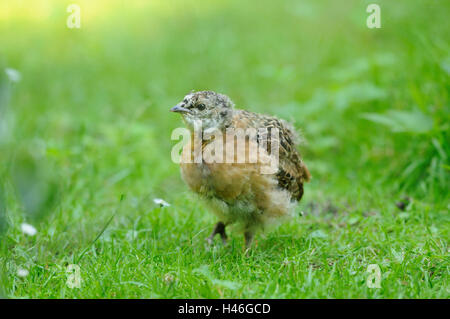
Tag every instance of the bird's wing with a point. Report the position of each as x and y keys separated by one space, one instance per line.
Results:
x=292 y=171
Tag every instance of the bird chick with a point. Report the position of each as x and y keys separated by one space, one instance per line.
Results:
x=252 y=184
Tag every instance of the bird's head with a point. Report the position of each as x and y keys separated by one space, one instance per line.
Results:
x=210 y=109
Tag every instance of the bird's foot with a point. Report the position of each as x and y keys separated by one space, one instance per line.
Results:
x=248 y=236
x=218 y=229
x=209 y=241
x=224 y=241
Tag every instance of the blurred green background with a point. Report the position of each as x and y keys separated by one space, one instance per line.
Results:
x=88 y=122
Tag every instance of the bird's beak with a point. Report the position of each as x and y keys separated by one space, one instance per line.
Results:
x=179 y=108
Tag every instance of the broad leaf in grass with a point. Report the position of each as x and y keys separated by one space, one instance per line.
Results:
x=358 y=93
x=402 y=121
x=2 y=209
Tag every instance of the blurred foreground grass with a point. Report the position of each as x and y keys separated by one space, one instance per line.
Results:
x=88 y=123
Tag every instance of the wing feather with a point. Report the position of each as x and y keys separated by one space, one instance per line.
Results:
x=292 y=171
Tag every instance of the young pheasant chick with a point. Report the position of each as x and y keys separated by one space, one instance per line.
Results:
x=241 y=192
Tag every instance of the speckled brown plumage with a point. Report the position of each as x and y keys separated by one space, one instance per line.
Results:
x=292 y=171
x=239 y=193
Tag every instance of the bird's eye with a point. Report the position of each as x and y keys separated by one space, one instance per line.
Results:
x=201 y=107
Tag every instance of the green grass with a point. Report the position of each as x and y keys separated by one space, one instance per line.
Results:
x=87 y=147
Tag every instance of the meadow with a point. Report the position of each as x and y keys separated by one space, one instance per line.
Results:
x=85 y=147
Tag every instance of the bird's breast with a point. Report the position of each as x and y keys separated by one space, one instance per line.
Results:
x=207 y=177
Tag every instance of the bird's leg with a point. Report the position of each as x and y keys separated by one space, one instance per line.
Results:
x=218 y=229
x=248 y=235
